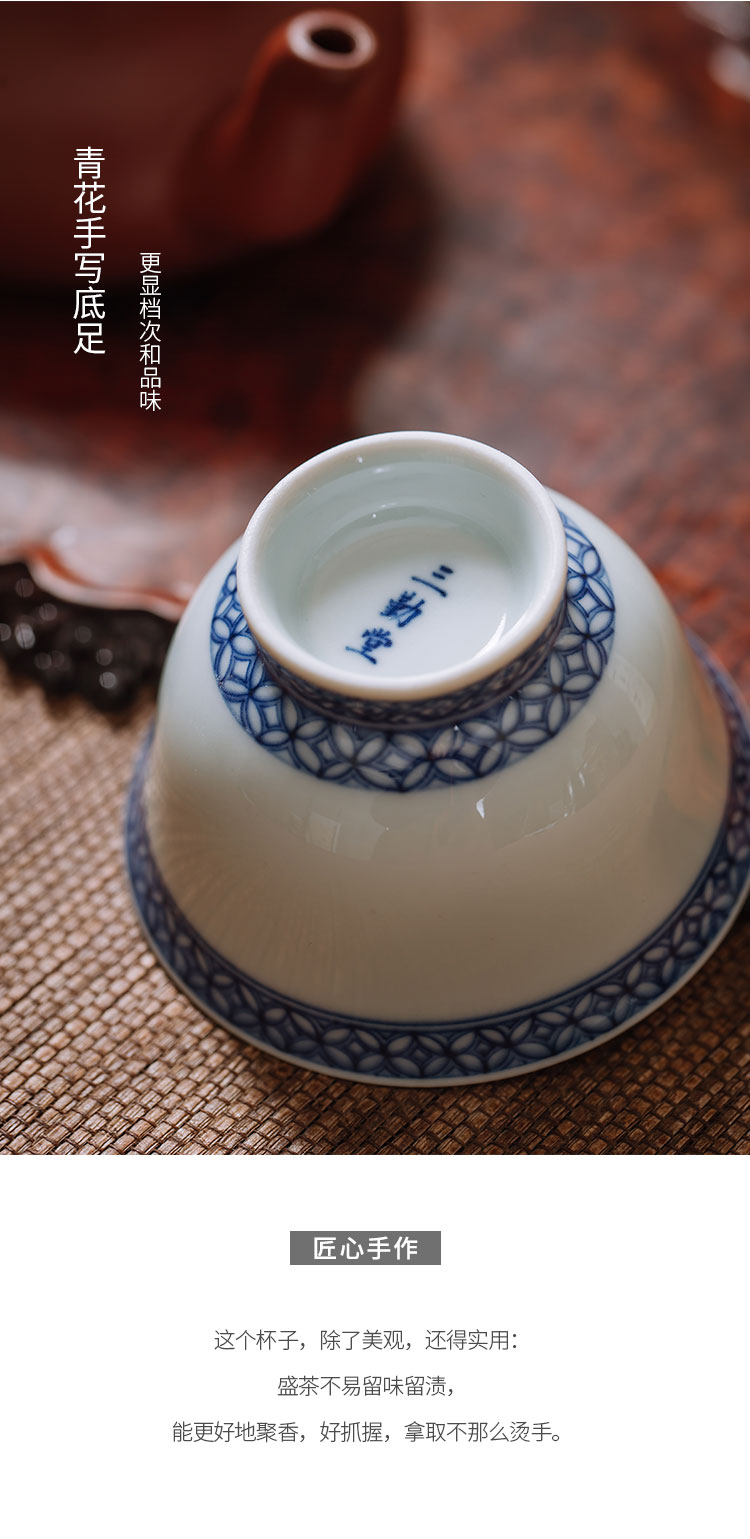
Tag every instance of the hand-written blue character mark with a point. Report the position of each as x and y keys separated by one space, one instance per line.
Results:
x=441 y=573
x=372 y=640
x=403 y=609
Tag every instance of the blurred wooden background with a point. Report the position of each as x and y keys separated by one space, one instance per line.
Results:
x=552 y=257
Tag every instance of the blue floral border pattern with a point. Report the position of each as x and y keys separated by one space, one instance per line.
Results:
x=507 y=729
x=435 y=711
x=466 y=1049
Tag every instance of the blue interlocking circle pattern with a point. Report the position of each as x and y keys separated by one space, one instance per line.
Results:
x=473 y=1048
x=395 y=760
x=436 y=709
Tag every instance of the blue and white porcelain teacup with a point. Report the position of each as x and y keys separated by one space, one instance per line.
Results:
x=438 y=789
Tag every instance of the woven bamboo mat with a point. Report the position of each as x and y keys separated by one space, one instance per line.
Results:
x=99 y=1053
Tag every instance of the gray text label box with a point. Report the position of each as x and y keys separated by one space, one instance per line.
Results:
x=364 y=1247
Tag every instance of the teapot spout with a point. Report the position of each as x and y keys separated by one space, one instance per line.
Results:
x=281 y=159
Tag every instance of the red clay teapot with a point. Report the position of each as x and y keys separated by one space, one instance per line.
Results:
x=223 y=126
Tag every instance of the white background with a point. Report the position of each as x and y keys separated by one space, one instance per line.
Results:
x=624 y=1279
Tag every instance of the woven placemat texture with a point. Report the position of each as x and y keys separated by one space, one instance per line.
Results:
x=99 y=1052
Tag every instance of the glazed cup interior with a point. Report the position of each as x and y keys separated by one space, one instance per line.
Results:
x=348 y=552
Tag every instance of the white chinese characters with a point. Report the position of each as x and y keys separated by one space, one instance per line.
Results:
x=331 y=1247
x=89 y=234
x=150 y=310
